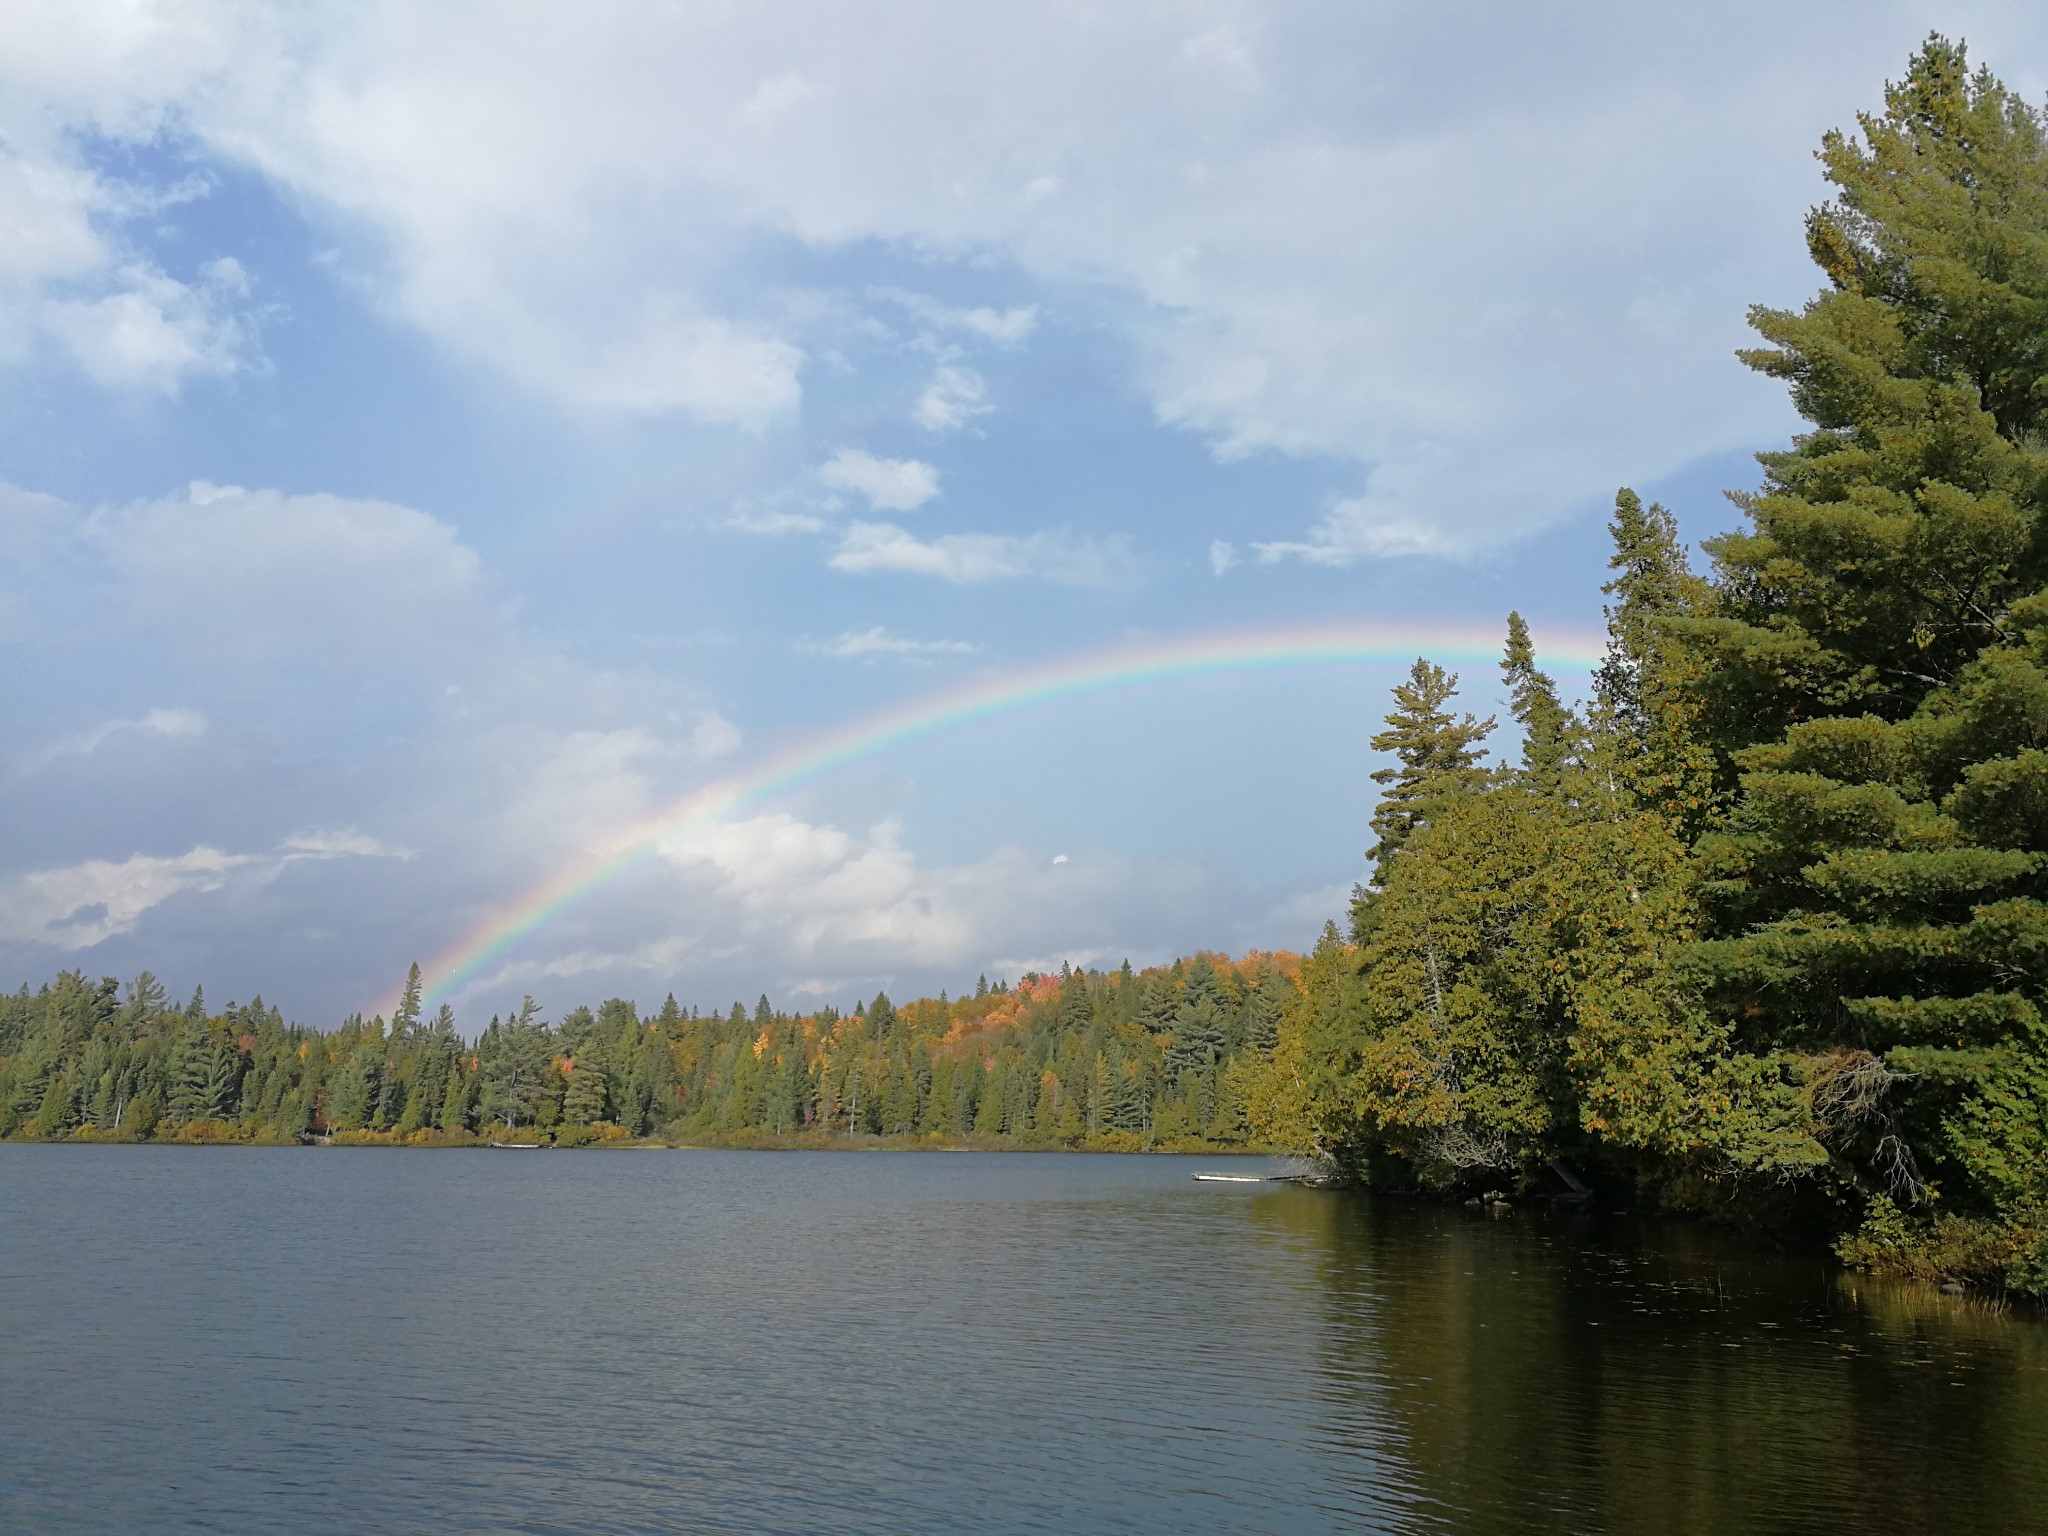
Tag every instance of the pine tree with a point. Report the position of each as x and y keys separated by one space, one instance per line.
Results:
x=146 y=1005
x=1877 y=668
x=514 y=1063
x=1198 y=1020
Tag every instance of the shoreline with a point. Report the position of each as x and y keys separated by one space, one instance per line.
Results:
x=800 y=1142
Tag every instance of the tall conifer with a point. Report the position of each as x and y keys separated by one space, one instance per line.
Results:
x=1547 y=725
x=1877 y=667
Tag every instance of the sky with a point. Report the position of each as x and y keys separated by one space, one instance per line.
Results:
x=438 y=439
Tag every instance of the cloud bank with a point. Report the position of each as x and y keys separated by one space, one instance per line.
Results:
x=381 y=751
x=1337 y=232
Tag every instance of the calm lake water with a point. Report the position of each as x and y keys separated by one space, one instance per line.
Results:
x=276 y=1340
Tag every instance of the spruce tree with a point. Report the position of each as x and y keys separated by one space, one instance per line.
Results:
x=1263 y=1006
x=588 y=1098
x=1436 y=757
x=1076 y=1008
x=1547 y=725
x=1648 y=687
x=456 y=1100
x=406 y=1017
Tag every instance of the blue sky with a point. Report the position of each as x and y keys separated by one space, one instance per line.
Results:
x=436 y=436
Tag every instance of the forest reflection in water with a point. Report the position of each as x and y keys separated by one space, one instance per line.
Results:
x=250 y=1340
x=1536 y=1372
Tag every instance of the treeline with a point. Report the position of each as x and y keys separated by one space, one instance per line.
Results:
x=1761 y=930
x=1117 y=1061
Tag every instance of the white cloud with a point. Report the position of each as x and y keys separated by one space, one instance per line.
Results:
x=153 y=332
x=344 y=826
x=713 y=737
x=773 y=98
x=651 y=364
x=864 y=644
x=356 y=673
x=27 y=519
x=80 y=905
x=323 y=578
x=774 y=523
x=890 y=485
x=954 y=397
x=224 y=274
x=315 y=844
x=1006 y=327
x=1222 y=555
x=1048 y=962
x=1311 y=236
x=70 y=275
x=1056 y=555
x=48 y=207
x=1303 y=913
x=999 y=325
x=796 y=901
x=156 y=722
x=1377 y=525
x=825 y=889
x=346 y=822
x=817 y=987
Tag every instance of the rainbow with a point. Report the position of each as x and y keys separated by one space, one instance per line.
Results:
x=1129 y=666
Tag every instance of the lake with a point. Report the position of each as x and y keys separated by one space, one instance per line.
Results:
x=256 y=1340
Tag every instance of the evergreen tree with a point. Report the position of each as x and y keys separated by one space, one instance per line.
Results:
x=1649 y=684
x=1198 y=1020
x=514 y=1065
x=588 y=1099
x=1263 y=1006
x=406 y=1018
x=1436 y=756
x=1077 y=1008
x=1547 y=726
x=146 y=1004
x=881 y=1019
x=1877 y=666
x=457 y=1100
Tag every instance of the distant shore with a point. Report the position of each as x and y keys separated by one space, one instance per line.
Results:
x=609 y=1137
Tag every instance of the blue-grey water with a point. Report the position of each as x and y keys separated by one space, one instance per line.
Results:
x=256 y=1340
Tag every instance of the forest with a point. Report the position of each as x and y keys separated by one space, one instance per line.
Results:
x=1122 y=1061
x=1758 y=931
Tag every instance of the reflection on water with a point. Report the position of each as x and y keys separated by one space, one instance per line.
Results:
x=249 y=1340
x=1562 y=1374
